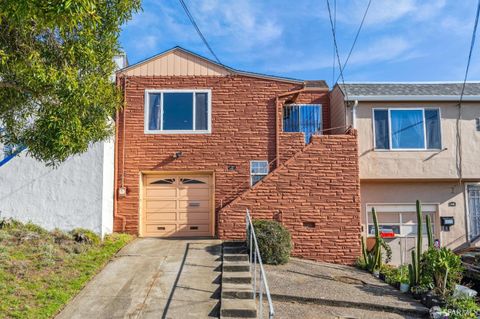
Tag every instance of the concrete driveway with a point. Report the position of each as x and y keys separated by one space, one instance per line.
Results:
x=154 y=278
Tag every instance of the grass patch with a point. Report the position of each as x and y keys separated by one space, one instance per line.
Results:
x=40 y=271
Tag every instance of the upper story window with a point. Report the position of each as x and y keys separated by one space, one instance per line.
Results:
x=177 y=111
x=258 y=170
x=306 y=118
x=407 y=129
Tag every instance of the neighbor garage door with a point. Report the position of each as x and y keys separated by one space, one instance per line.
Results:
x=177 y=206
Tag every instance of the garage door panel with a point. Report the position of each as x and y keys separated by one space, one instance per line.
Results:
x=157 y=205
x=197 y=193
x=194 y=180
x=160 y=229
x=203 y=216
x=160 y=181
x=161 y=217
x=193 y=205
x=192 y=228
x=156 y=192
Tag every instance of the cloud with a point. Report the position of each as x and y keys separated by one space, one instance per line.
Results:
x=386 y=12
x=243 y=23
x=293 y=38
x=383 y=49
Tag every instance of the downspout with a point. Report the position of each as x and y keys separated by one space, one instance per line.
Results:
x=277 y=135
x=117 y=117
x=354 y=114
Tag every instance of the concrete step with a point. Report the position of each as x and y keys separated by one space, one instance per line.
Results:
x=236 y=265
x=238 y=308
x=237 y=277
x=234 y=243
x=235 y=250
x=234 y=257
x=237 y=291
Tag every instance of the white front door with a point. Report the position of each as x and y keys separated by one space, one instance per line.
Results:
x=473 y=194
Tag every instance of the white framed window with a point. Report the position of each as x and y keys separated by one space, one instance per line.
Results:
x=258 y=170
x=178 y=111
x=406 y=128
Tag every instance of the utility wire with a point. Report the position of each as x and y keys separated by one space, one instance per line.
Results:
x=458 y=122
x=472 y=44
x=333 y=48
x=192 y=20
x=336 y=48
x=356 y=36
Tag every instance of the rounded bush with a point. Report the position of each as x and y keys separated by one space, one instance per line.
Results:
x=274 y=241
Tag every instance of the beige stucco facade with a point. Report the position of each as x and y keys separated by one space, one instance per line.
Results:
x=430 y=164
x=394 y=179
x=446 y=197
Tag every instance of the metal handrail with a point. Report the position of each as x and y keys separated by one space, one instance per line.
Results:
x=255 y=257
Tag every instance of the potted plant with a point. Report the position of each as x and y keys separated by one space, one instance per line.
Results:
x=419 y=292
x=387 y=272
x=404 y=285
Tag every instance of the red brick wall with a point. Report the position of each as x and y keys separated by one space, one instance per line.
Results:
x=318 y=185
x=243 y=129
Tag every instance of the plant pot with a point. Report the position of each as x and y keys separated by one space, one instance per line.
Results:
x=417 y=296
x=430 y=300
x=404 y=287
x=382 y=276
x=376 y=273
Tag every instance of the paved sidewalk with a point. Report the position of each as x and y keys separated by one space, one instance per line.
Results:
x=303 y=289
x=154 y=278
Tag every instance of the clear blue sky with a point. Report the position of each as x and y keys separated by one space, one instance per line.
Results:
x=402 y=40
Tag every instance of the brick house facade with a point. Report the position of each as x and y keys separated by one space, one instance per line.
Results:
x=312 y=189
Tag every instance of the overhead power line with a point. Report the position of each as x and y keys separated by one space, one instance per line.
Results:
x=458 y=124
x=356 y=36
x=336 y=47
x=192 y=20
x=334 y=27
x=472 y=44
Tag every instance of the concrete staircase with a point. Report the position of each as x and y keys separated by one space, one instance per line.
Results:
x=237 y=290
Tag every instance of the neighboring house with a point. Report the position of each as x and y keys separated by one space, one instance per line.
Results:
x=78 y=193
x=415 y=142
x=198 y=143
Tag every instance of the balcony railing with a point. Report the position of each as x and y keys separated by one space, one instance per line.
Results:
x=306 y=118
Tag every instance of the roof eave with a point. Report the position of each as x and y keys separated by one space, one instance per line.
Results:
x=413 y=98
x=229 y=69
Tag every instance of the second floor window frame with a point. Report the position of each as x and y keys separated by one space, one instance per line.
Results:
x=161 y=130
x=389 y=120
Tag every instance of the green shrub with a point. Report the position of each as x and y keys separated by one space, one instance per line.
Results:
x=395 y=276
x=443 y=268
x=462 y=308
x=274 y=241
x=360 y=263
x=85 y=236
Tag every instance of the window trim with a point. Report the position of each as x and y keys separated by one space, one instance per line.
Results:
x=467 y=207
x=390 y=148
x=388 y=207
x=257 y=174
x=146 y=111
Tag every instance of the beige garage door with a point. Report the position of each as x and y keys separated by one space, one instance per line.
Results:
x=177 y=206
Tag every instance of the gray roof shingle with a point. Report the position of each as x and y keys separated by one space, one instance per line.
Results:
x=410 y=89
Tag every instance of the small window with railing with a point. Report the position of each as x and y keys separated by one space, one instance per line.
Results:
x=305 y=118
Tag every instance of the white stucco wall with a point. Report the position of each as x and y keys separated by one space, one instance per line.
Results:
x=78 y=193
